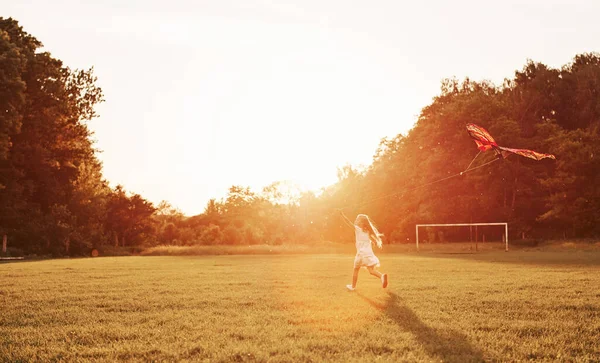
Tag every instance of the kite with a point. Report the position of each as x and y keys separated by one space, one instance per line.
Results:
x=486 y=142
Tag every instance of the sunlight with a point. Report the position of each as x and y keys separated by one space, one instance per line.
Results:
x=304 y=181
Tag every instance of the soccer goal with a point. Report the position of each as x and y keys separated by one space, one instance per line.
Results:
x=505 y=236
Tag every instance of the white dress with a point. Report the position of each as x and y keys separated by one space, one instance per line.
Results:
x=364 y=250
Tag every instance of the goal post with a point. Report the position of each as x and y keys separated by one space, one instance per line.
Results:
x=464 y=225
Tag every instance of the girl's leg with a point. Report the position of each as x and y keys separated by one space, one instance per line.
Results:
x=373 y=271
x=383 y=277
x=355 y=277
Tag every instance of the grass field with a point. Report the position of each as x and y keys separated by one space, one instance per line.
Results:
x=490 y=306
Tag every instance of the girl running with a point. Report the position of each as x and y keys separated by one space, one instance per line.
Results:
x=366 y=233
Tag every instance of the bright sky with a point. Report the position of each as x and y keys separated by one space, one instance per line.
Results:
x=202 y=95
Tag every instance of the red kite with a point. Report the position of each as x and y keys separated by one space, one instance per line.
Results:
x=485 y=142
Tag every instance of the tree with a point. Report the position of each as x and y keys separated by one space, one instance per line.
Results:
x=45 y=146
x=129 y=217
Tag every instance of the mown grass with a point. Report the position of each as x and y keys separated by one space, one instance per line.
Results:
x=348 y=248
x=491 y=306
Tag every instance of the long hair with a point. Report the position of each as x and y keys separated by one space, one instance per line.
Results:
x=364 y=222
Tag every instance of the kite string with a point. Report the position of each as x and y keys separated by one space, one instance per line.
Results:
x=468 y=169
x=471 y=163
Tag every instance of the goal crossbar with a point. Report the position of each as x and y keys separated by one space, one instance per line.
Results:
x=464 y=225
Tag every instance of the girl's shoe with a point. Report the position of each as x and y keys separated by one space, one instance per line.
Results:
x=350 y=288
x=384 y=280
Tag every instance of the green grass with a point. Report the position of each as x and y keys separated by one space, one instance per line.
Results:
x=491 y=306
x=348 y=248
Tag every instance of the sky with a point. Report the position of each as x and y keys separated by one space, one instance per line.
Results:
x=203 y=95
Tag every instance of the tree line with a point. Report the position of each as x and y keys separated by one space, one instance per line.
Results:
x=54 y=199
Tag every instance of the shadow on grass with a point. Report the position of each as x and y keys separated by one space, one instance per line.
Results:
x=6 y=262
x=538 y=258
x=447 y=345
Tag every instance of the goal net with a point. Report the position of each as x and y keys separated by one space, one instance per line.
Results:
x=476 y=234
